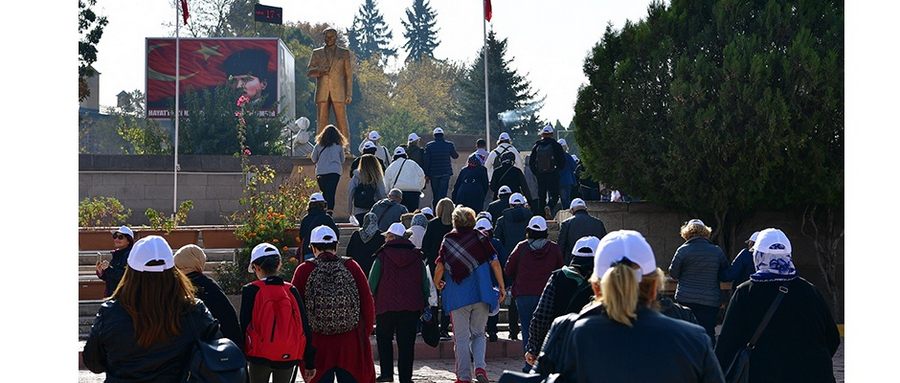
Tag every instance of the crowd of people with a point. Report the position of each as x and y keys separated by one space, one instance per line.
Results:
x=588 y=305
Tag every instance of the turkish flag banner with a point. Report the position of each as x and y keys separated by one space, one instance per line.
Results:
x=487 y=10
x=184 y=11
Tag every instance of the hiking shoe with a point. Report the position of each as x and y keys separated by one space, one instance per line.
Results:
x=481 y=376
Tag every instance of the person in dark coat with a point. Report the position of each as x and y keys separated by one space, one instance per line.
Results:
x=510 y=229
x=435 y=231
x=588 y=189
x=620 y=337
x=471 y=185
x=546 y=162
x=800 y=340
x=315 y=216
x=438 y=155
x=133 y=344
x=484 y=225
x=580 y=224
x=501 y=203
x=566 y=177
x=507 y=174
x=400 y=287
x=111 y=271
x=191 y=260
x=413 y=150
x=742 y=266
x=698 y=266
x=365 y=242
x=368 y=148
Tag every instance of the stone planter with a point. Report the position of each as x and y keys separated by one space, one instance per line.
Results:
x=95 y=239
x=175 y=238
x=220 y=237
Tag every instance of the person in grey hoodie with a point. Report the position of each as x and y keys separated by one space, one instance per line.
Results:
x=328 y=155
x=698 y=266
x=389 y=210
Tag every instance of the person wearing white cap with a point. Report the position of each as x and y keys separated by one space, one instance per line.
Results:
x=380 y=150
x=496 y=207
x=580 y=224
x=111 y=271
x=368 y=147
x=406 y=175
x=699 y=265
x=400 y=285
x=742 y=266
x=504 y=145
x=316 y=215
x=567 y=180
x=261 y=301
x=567 y=291
x=800 y=339
x=471 y=185
x=341 y=311
x=529 y=267
x=438 y=167
x=413 y=150
x=510 y=227
x=132 y=338
x=328 y=155
x=507 y=174
x=547 y=161
x=621 y=337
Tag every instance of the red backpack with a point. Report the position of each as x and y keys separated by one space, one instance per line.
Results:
x=275 y=332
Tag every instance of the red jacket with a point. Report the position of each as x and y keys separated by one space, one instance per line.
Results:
x=530 y=269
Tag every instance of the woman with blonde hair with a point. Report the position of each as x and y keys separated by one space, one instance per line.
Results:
x=328 y=155
x=698 y=266
x=435 y=231
x=191 y=261
x=366 y=187
x=621 y=337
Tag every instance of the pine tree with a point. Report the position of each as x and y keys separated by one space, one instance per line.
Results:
x=420 y=32
x=369 y=35
x=512 y=104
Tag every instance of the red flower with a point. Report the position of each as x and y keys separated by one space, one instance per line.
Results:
x=243 y=100
x=246 y=151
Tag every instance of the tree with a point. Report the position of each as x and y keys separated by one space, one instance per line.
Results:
x=420 y=31
x=90 y=28
x=719 y=108
x=140 y=134
x=512 y=104
x=369 y=35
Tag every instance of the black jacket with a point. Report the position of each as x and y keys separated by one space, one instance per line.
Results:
x=799 y=341
x=511 y=225
x=415 y=153
x=248 y=298
x=589 y=347
x=471 y=187
x=497 y=207
x=511 y=176
x=314 y=218
x=112 y=346
x=113 y=274
x=559 y=155
x=364 y=252
x=581 y=224
x=219 y=306
x=432 y=239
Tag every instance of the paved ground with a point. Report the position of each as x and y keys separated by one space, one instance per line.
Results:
x=435 y=371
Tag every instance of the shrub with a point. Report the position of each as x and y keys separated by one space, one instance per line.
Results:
x=102 y=211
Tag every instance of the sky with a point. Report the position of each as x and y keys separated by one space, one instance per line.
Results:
x=547 y=40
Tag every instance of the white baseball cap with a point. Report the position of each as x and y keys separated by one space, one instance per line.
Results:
x=368 y=145
x=624 y=244
x=695 y=221
x=485 y=214
x=753 y=237
x=504 y=137
x=399 y=151
x=412 y=137
x=585 y=246
x=438 y=131
x=316 y=197
x=427 y=210
x=516 y=198
x=483 y=224
x=769 y=241
x=537 y=223
x=322 y=234
x=547 y=129
x=264 y=249
x=151 y=248
x=125 y=230
x=562 y=141
x=397 y=229
x=504 y=190
x=374 y=136
x=577 y=203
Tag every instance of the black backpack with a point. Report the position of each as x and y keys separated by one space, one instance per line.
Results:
x=543 y=158
x=364 y=196
x=497 y=160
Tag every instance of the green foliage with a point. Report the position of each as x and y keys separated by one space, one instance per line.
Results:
x=161 y=222
x=90 y=29
x=140 y=135
x=102 y=212
x=369 y=35
x=420 y=31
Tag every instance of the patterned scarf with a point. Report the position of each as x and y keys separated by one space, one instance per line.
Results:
x=419 y=220
x=463 y=251
x=369 y=227
x=773 y=267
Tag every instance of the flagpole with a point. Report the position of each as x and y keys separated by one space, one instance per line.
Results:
x=487 y=120
x=177 y=89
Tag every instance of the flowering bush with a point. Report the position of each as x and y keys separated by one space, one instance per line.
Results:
x=102 y=211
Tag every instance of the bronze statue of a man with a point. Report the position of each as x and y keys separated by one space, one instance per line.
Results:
x=331 y=66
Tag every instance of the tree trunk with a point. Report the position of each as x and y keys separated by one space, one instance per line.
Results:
x=819 y=225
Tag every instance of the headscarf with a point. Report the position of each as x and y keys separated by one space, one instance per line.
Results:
x=419 y=220
x=369 y=227
x=773 y=267
x=474 y=160
x=190 y=258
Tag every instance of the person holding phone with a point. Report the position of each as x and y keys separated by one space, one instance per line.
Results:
x=111 y=271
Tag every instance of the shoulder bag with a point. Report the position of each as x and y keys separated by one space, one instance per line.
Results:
x=739 y=369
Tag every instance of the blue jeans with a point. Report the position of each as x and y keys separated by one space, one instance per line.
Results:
x=526 y=305
x=565 y=196
x=439 y=187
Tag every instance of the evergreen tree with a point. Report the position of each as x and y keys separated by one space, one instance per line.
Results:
x=512 y=104
x=420 y=32
x=369 y=35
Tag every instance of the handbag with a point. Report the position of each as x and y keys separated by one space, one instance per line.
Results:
x=218 y=361
x=430 y=332
x=739 y=369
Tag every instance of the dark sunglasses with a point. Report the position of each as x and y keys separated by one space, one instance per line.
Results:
x=118 y=236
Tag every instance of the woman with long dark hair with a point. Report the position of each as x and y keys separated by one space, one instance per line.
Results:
x=366 y=187
x=148 y=325
x=328 y=155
